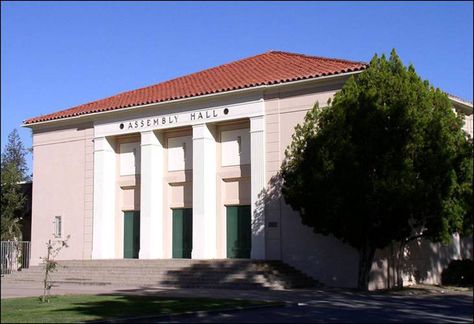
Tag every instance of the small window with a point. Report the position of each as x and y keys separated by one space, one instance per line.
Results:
x=57 y=226
x=239 y=143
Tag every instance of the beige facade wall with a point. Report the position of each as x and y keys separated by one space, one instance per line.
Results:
x=423 y=262
x=321 y=257
x=324 y=257
x=233 y=185
x=127 y=191
x=178 y=184
x=63 y=186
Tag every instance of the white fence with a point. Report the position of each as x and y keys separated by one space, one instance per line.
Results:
x=15 y=255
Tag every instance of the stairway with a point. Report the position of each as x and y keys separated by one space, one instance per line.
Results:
x=178 y=273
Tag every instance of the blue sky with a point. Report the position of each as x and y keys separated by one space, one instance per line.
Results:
x=56 y=55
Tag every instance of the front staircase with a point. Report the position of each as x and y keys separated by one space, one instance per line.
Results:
x=178 y=273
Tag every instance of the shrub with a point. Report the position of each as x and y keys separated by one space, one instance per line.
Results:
x=458 y=273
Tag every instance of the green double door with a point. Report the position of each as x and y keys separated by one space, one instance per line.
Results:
x=239 y=237
x=182 y=233
x=131 y=234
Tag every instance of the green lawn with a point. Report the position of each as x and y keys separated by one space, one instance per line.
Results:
x=78 y=308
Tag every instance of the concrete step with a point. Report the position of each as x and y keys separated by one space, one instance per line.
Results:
x=167 y=280
x=232 y=274
x=162 y=278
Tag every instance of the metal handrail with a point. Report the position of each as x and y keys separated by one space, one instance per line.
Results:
x=15 y=255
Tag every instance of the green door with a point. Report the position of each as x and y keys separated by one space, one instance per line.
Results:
x=131 y=234
x=182 y=233
x=239 y=236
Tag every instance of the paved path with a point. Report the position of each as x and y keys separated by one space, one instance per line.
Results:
x=329 y=305
x=448 y=309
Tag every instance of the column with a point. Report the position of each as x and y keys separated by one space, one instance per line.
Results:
x=257 y=180
x=151 y=196
x=204 y=192
x=103 y=243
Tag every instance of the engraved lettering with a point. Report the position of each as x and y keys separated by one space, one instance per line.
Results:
x=129 y=125
x=199 y=115
x=214 y=113
x=208 y=115
x=148 y=122
x=163 y=120
x=136 y=123
x=193 y=116
x=142 y=123
x=176 y=118
x=156 y=121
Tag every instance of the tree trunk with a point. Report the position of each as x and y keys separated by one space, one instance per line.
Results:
x=366 y=258
x=401 y=256
x=46 y=274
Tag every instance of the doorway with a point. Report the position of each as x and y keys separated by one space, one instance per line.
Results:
x=182 y=233
x=239 y=237
x=131 y=234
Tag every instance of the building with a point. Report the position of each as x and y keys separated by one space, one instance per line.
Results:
x=187 y=168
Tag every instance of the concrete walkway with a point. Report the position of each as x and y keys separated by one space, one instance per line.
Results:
x=302 y=305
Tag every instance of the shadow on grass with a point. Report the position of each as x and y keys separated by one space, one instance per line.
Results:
x=127 y=307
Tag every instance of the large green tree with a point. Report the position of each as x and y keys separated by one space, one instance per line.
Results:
x=386 y=161
x=13 y=171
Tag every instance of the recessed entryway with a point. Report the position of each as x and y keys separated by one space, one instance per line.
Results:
x=131 y=234
x=239 y=237
x=182 y=233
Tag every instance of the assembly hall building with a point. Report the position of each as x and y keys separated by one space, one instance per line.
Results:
x=188 y=168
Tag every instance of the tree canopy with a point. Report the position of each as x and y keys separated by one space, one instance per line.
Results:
x=387 y=160
x=13 y=171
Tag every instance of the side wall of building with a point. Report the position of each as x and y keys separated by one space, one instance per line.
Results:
x=63 y=186
x=322 y=257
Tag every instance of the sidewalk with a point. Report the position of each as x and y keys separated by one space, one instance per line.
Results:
x=12 y=290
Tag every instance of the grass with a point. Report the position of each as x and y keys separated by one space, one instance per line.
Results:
x=79 y=308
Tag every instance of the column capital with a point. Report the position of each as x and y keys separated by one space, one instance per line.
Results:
x=149 y=137
x=104 y=144
x=203 y=131
x=257 y=124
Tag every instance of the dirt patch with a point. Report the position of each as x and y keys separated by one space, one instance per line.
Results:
x=427 y=290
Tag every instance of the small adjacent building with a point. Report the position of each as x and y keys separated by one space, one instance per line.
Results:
x=188 y=168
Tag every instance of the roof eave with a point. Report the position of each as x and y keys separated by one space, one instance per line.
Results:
x=213 y=95
x=463 y=105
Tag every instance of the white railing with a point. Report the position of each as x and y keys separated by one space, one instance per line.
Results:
x=15 y=255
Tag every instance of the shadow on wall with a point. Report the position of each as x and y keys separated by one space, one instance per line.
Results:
x=322 y=257
x=267 y=205
x=422 y=262
x=334 y=263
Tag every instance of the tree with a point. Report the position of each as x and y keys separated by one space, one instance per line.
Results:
x=13 y=171
x=50 y=265
x=385 y=162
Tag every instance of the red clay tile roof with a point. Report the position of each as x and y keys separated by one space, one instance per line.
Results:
x=264 y=69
